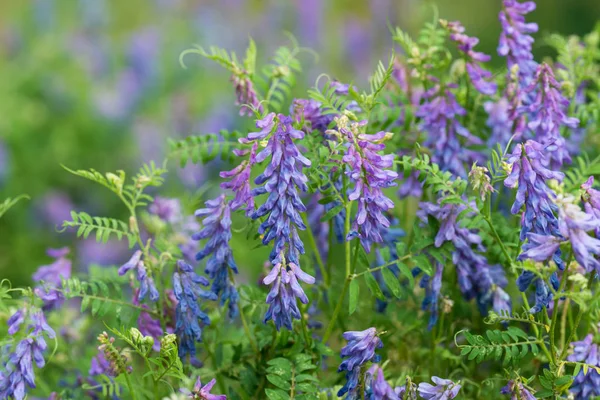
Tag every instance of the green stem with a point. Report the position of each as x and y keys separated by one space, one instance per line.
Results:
x=387 y=265
x=572 y=334
x=317 y=253
x=487 y=217
x=338 y=308
x=129 y=385
x=535 y=329
x=563 y=285
x=304 y=329
x=243 y=319
x=347 y=243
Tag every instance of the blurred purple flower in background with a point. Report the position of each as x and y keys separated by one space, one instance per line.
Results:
x=50 y=278
x=444 y=389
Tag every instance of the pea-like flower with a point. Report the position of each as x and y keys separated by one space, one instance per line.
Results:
x=50 y=278
x=147 y=286
x=359 y=350
x=586 y=386
x=444 y=389
x=517 y=391
x=203 y=392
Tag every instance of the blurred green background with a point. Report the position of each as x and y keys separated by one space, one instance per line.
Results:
x=97 y=84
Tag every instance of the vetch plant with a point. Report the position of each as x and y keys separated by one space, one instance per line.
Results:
x=433 y=235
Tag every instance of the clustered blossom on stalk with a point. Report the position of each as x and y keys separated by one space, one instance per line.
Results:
x=539 y=217
x=282 y=179
x=444 y=389
x=50 y=278
x=217 y=229
x=189 y=318
x=586 y=386
x=433 y=287
x=515 y=39
x=573 y=225
x=147 y=286
x=480 y=77
x=150 y=326
x=245 y=94
x=547 y=115
x=359 y=350
x=203 y=392
x=476 y=278
x=239 y=177
x=517 y=391
x=17 y=367
x=440 y=118
x=377 y=386
x=369 y=172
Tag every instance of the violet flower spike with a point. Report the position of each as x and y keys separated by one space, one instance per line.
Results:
x=379 y=388
x=50 y=278
x=245 y=95
x=239 y=181
x=370 y=172
x=480 y=78
x=517 y=391
x=146 y=281
x=585 y=386
x=591 y=200
x=217 y=229
x=359 y=350
x=282 y=179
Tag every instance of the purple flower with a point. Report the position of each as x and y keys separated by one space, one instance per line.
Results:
x=444 y=389
x=17 y=370
x=476 y=278
x=411 y=186
x=245 y=94
x=515 y=40
x=586 y=386
x=547 y=115
x=217 y=229
x=379 y=388
x=440 y=115
x=499 y=121
x=50 y=278
x=433 y=287
x=100 y=365
x=239 y=181
x=359 y=350
x=370 y=173
x=147 y=285
x=591 y=200
x=574 y=225
x=281 y=179
x=480 y=77
x=189 y=317
x=168 y=210
x=517 y=391
x=311 y=112
x=203 y=392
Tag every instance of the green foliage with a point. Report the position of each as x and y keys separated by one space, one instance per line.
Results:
x=108 y=387
x=221 y=56
x=331 y=101
x=581 y=170
x=8 y=203
x=204 y=148
x=377 y=82
x=292 y=379
x=513 y=344
x=281 y=75
x=104 y=227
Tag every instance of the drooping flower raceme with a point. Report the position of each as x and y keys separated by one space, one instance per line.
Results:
x=539 y=217
x=369 y=171
x=239 y=181
x=50 y=278
x=359 y=350
x=440 y=118
x=476 y=278
x=444 y=389
x=586 y=386
x=282 y=179
x=147 y=286
x=203 y=392
x=548 y=114
x=480 y=77
x=591 y=200
x=17 y=368
x=189 y=317
x=217 y=229
x=517 y=391
x=515 y=39
x=245 y=94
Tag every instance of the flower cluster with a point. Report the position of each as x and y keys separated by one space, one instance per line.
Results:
x=18 y=367
x=586 y=386
x=370 y=173
x=245 y=94
x=378 y=388
x=50 y=278
x=440 y=118
x=480 y=77
x=515 y=40
x=359 y=350
x=217 y=229
x=110 y=361
x=539 y=217
x=591 y=199
x=189 y=318
x=239 y=177
x=517 y=391
x=547 y=115
x=281 y=179
x=476 y=278
x=147 y=286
